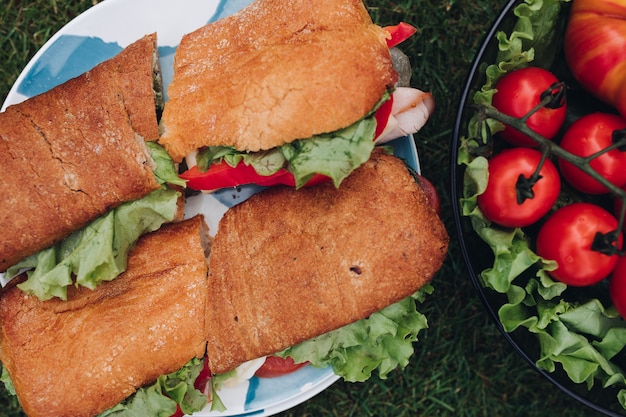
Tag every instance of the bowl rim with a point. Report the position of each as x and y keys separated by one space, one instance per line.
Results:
x=455 y=182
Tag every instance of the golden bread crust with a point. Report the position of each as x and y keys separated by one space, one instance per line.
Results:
x=82 y=356
x=290 y=265
x=71 y=154
x=273 y=73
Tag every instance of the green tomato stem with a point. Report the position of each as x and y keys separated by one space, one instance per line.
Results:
x=552 y=148
x=604 y=243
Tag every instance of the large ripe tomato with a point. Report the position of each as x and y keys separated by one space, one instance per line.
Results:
x=586 y=136
x=566 y=237
x=518 y=92
x=499 y=201
x=617 y=287
x=595 y=48
x=276 y=366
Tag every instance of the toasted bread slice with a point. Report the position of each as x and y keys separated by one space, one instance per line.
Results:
x=82 y=356
x=275 y=72
x=71 y=154
x=287 y=265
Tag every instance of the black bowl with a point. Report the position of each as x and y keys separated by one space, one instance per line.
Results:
x=478 y=256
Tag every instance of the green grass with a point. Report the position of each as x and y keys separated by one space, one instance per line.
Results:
x=462 y=365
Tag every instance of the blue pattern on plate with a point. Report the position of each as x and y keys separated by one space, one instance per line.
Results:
x=228 y=7
x=71 y=55
x=66 y=58
x=289 y=385
x=233 y=196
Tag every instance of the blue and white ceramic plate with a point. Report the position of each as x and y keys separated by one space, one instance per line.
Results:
x=102 y=32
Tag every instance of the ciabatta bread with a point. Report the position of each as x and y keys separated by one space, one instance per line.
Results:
x=71 y=154
x=275 y=72
x=287 y=265
x=80 y=357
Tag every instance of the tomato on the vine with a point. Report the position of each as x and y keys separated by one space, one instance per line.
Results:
x=518 y=92
x=499 y=203
x=567 y=237
x=586 y=136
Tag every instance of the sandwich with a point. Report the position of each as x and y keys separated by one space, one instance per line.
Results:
x=343 y=254
x=356 y=258
x=84 y=355
x=71 y=157
x=282 y=92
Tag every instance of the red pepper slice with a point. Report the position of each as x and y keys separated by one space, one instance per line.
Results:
x=399 y=33
x=382 y=116
x=222 y=175
x=275 y=366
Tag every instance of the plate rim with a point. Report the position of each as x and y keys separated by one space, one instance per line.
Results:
x=14 y=97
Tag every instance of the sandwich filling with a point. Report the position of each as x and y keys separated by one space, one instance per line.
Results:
x=334 y=155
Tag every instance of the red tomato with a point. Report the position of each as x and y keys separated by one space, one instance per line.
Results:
x=566 y=237
x=499 y=201
x=595 y=49
x=586 y=136
x=518 y=92
x=276 y=366
x=617 y=286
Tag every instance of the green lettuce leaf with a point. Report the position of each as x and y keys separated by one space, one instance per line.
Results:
x=165 y=172
x=335 y=155
x=99 y=251
x=580 y=338
x=160 y=398
x=382 y=342
x=6 y=380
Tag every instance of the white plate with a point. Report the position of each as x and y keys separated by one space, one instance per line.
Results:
x=100 y=33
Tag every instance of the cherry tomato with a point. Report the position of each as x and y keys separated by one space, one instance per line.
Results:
x=518 y=92
x=586 y=136
x=566 y=237
x=276 y=366
x=499 y=201
x=617 y=286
